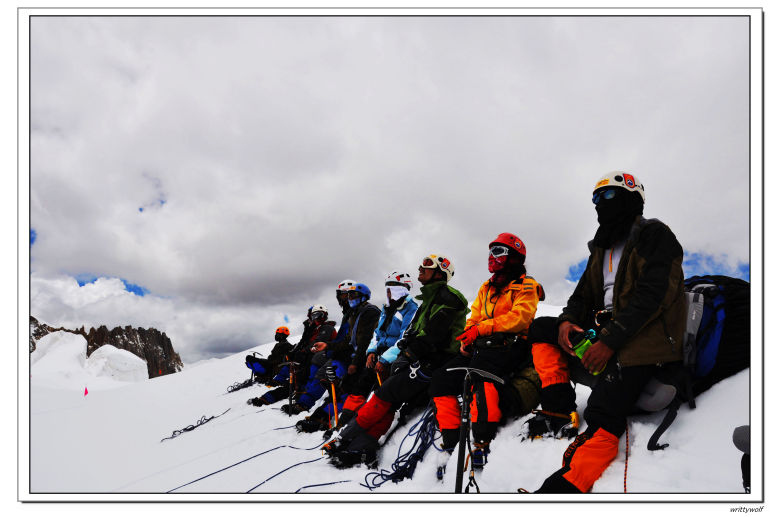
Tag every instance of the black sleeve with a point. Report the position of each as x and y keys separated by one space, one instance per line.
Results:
x=657 y=280
x=365 y=331
x=579 y=304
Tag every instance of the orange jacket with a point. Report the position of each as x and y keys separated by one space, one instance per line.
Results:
x=511 y=309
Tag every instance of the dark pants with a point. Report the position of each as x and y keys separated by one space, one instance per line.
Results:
x=485 y=412
x=375 y=417
x=612 y=400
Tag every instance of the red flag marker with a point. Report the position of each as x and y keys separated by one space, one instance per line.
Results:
x=159 y=372
x=85 y=391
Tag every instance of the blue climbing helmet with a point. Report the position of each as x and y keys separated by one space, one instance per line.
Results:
x=358 y=294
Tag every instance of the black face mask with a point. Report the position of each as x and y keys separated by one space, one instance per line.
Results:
x=616 y=216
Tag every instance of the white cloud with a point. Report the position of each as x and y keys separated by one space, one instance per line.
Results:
x=294 y=152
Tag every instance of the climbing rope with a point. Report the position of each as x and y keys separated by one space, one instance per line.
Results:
x=625 y=470
x=424 y=432
x=244 y=461
x=282 y=472
x=285 y=427
x=240 y=385
x=189 y=428
x=323 y=484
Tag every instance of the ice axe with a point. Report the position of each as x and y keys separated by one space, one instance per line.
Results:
x=330 y=373
x=465 y=409
x=291 y=365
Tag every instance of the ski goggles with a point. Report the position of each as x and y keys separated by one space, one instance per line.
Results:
x=317 y=315
x=392 y=283
x=428 y=263
x=499 y=251
x=603 y=194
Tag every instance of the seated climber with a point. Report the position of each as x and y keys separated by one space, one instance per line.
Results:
x=264 y=368
x=396 y=316
x=346 y=358
x=501 y=313
x=317 y=328
x=632 y=289
x=427 y=344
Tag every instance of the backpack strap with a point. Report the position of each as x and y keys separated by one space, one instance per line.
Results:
x=671 y=414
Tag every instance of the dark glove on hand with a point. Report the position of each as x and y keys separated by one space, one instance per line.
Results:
x=330 y=374
x=402 y=344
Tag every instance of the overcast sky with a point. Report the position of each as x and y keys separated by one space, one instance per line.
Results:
x=237 y=168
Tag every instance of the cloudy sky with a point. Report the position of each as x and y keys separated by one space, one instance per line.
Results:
x=213 y=177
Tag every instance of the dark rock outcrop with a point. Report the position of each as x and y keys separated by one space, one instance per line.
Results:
x=151 y=345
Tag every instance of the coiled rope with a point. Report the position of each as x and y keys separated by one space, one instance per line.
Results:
x=240 y=385
x=189 y=428
x=425 y=432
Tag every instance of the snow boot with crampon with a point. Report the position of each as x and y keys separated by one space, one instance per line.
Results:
x=547 y=424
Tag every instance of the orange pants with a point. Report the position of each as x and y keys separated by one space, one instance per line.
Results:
x=551 y=363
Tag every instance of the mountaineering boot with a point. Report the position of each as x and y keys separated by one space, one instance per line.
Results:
x=330 y=447
x=546 y=424
x=361 y=449
x=257 y=401
x=310 y=424
x=317 y=421
x=345 y=417
x=293 y=409
x=272 y=383
x=441 y=462
x=479 y=456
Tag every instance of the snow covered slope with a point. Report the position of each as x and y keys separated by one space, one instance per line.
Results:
x=111 y=441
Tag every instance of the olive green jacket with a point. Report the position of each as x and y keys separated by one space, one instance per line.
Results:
x=649 y=307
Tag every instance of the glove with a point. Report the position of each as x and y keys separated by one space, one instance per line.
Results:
x=469 y=336
x=330 y=374
x=402 y=344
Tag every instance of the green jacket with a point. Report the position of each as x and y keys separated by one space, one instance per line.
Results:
x=649 y=308
x=440 y=317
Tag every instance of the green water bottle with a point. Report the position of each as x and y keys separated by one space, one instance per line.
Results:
x=584 y=341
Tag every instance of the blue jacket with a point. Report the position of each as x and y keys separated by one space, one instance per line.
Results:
x=384 y=340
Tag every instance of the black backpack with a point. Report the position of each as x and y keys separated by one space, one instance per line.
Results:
x=716 y=344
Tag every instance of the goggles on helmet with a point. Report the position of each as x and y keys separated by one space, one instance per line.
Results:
x=429 y=263
x=399 y=284
x=603 y=194
x=499 y=251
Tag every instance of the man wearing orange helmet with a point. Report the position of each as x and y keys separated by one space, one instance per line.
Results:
x=265 y=368
x=316 y=328
x=493 y=336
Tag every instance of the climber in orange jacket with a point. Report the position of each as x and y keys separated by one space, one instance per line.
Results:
x=499 y=320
